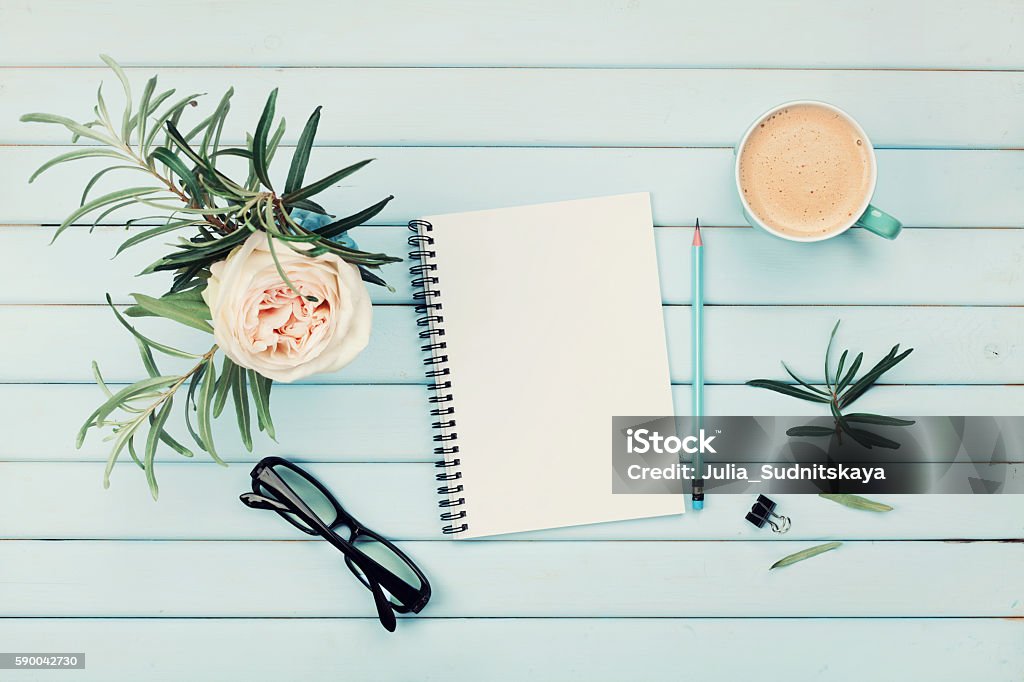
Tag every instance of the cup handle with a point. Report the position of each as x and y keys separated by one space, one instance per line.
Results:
x=880 y=222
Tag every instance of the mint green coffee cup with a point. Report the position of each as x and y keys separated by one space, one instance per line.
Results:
x=759 y=181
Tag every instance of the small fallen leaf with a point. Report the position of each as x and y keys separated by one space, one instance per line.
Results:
x=805 y=554
x=856 y=502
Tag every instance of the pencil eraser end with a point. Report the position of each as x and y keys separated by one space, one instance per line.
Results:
x=698 y=505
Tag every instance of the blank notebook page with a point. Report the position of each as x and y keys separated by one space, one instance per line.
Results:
x=553 y=324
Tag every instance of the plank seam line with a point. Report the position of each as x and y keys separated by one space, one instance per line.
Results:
x=941 y=619
x=757 y=540
x=626 y=147
x=563 y=66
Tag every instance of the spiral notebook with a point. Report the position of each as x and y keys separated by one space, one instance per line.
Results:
x=539 y=324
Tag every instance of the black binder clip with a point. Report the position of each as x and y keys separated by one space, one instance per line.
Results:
x=763 y=512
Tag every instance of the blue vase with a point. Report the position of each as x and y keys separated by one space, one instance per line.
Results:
x=314 y=221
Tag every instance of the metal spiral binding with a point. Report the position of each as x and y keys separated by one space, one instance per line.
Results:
x=430 y=319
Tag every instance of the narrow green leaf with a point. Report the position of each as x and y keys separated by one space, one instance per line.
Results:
x=143 y=114
x=204 y=411
x=184 y=146
x=85 y=153
x=240 y=394
x=208 y=173
x=259 y=146
x=828 y=350
x=280 y=270
x=172 y=443
x=160 y=121
x=805 y=554
x=155 y=345
x=252 y=182
x=297 y=170
x=101 y=109
x=343 y=225
x=261 y=395
x=121 y=76
x=190 y=210
x=200 y=256
x=809 y=431
x=839 y=368
x=171 y=160
x=88 y=124
x=356 y=257
x=873 y=439
x=126 y=434
x=803 y=383
x=856 y=502
x=311 y=206
x=173 y=310
x=368 y=276
x=154 y=104
x=227 y=377
x=787 y=389
x=195 y=308
x=877 y=419
x=152 y=440
x=851 y=373
x=75 y=127
x=184 y=278
x=98 y=377
x=99 y=174
x=144 y=388
x=154 y=232
x=191 y=404
x=135 y=454
x=193 y=293
x=868 y=380
x=322 y=184
x=275 y=140
x=233 y=151
x=211 y=141
x=111 y=198
x=107 y=211
x=147 y=358
x=123 y=395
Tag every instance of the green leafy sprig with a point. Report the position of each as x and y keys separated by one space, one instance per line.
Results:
x=184 y=189
x=190 y=191
x=841 y=390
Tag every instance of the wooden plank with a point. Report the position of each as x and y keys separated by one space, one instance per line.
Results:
x=924 y=188
x=973 y=266
x=526 y=32
x=939 y=650
x=955 y=345
x=380 y=423
x=513 y=579
x=550 y=107
x=400 y=501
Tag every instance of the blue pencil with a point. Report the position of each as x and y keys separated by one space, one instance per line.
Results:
x=697 y=307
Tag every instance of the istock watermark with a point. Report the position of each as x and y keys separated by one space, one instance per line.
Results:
x=769 y=454
x=642 y=441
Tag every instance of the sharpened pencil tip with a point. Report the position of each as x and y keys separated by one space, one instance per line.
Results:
x=697 y=241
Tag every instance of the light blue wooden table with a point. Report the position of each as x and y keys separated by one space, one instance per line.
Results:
x=470 y=105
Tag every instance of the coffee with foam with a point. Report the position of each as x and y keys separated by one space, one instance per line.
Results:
x=806 y=171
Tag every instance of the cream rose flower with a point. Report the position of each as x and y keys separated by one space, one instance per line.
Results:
x=261 y=324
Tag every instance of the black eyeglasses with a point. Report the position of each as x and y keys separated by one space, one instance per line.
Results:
x=397 y=584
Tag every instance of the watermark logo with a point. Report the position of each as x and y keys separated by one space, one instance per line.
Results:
x=642 y=441
x=959 y=455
